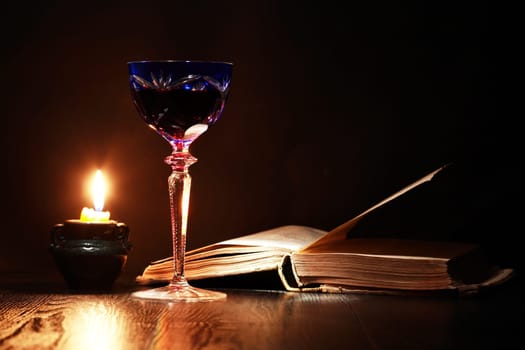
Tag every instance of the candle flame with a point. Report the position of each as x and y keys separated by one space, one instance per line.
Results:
x=98 y=189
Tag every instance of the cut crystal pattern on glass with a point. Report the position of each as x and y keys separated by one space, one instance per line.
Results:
x=191 y=82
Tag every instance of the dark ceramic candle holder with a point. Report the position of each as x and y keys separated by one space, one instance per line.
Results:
x=90 y=255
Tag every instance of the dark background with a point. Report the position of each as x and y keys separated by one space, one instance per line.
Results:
x=331 y=109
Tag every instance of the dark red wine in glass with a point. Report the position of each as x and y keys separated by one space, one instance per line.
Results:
x=172 y=112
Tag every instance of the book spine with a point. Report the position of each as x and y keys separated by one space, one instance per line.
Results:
x=288 y=274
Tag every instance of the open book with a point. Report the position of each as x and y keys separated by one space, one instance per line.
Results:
x=308 y=259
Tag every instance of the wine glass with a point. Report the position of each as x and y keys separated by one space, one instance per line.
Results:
x=179 y=100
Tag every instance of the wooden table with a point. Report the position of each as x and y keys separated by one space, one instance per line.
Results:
x=37 y=313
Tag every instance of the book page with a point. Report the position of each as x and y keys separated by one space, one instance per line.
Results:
x=255 y=252
x=287 y=238
x=406 y=249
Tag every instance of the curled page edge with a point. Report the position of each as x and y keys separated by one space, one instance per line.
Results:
x=339 y=233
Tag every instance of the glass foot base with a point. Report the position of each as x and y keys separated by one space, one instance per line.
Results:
x=179 y=293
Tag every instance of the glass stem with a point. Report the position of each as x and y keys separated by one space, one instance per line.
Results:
x=179 y=183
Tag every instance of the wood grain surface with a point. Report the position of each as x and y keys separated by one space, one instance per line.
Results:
x=48 y=316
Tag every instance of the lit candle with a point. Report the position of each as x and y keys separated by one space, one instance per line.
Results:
x=98 y=189
x=91 y=252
